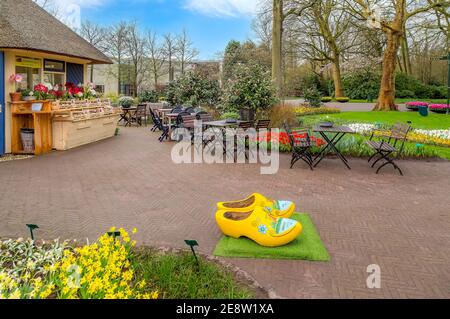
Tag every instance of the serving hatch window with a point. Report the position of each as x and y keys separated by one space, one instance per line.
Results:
x=54 y=66
x=54 y=72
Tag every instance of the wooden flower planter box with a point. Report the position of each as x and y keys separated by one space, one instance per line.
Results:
x=80 y=126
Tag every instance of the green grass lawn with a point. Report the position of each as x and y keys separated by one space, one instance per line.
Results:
x=176 y=276
x=433 y=121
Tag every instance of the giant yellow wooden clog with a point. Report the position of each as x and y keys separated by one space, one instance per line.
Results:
x=258 y=225
x=277 y=208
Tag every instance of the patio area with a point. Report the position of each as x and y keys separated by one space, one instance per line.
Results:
x=399 y=223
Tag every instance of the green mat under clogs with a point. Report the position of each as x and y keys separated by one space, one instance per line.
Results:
x=308 y=246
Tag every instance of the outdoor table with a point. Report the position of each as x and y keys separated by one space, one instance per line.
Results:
x=222 y=124
x=126 y=115
x=162 y=112
x=337 y=132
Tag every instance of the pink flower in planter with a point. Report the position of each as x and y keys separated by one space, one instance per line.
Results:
x=416 y=104
x=440 y=106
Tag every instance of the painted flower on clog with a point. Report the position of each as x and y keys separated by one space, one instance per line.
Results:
x=262 y=229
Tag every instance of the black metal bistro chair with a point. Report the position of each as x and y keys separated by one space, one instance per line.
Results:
x=176 y=110
x=385 y=149
x=189 y=109
x=157 y=122
x=300 y=141
x=159 y=125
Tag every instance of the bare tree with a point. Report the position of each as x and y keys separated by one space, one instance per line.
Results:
x=185 y=52
x=117 y=47
x=281 y=10
x=136 y=46
x=326 y=34
x=155 y=54
x=170 y=50
x=95 y=35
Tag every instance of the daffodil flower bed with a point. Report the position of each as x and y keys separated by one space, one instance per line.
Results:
x=101 y=270
x=433 y=137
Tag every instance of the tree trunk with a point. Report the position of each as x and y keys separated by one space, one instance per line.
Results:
x=386 y=98
x=337 y=79
x=277 y=40
x=170 y=71
x=405 y=56
x=155 y=74
x=119 y=74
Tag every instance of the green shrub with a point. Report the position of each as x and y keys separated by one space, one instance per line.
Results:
x=114 y=98
x=230 y=115
x=313 y=97
x=193 y=89
x=438 y=92
x=342 y=99
x=311 y=81
x=327 y=99
x=149 y=97
x=405 y=94
x=362 y=84
x=249 y=87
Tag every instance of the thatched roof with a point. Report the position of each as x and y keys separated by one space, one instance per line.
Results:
x=25 y=25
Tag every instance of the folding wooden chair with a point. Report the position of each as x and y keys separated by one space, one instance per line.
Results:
x=384 y=149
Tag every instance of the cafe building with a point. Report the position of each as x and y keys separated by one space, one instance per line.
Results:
x=36 y=48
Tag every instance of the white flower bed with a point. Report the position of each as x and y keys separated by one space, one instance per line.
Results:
x=364 y=128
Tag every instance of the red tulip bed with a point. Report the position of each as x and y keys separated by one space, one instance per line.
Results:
x=283 y=139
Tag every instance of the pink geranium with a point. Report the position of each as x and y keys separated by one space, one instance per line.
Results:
x=16 y=78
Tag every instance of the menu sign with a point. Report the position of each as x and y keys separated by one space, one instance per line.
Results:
x=28 y=63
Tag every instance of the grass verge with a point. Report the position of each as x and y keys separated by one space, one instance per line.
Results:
x=176 y=276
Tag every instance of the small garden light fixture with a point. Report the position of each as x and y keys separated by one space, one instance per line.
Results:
x=32 y=227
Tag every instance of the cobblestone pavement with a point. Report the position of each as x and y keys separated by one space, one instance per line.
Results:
x=399 y=223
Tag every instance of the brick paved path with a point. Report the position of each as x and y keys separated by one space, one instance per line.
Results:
x=402 y=224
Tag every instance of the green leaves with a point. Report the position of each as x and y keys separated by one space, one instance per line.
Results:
x=193 y=89
x=249 y=87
